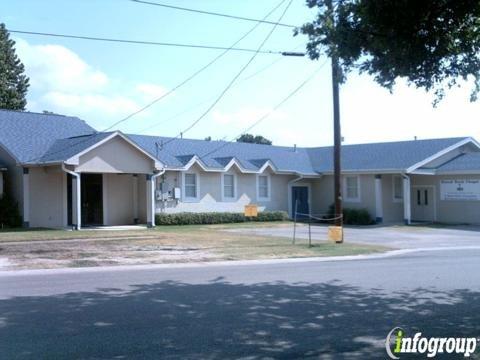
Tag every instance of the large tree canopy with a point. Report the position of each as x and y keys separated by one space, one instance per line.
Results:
x=13 y=81
x=431 y=43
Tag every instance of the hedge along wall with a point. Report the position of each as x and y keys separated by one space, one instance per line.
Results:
x=217 y=218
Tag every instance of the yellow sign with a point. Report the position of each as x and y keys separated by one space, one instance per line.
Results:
x=335 y=233
x=251 y=210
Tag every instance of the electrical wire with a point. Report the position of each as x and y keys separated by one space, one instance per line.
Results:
x=139 y=42
x=175 y=116
x=211 y=13
x=230 y=84
x=169 y=92
x=192 y=76
x=262 y=118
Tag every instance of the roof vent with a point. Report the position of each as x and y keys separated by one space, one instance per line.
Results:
x=415 y=138
x=294 y=147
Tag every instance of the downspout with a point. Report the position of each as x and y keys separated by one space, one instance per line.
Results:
x=78 y=192
x=153 y=185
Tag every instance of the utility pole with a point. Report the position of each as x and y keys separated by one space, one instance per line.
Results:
x=337 y=134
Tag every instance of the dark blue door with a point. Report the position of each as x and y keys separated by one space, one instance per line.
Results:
x=300 y=201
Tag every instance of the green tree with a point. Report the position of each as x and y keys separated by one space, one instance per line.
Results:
x=430 y=43
x=249 y=138
x=13 y=81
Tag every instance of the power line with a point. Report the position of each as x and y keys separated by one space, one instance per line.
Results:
x=191 y=77
x=256 y=73
x=140 y=42
x=212 y=13
x=262 y=118
x=230 y=84
x=172 y=90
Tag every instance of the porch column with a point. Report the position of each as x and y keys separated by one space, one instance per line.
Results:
x=150 y=201
x=135 y=198
x=378 y=199
x=26 y=197
x=76 y=202
x=407 y=214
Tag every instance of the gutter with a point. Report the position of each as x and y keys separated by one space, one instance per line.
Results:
x=78 y=191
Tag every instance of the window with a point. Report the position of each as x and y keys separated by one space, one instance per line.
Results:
x=191 y=186
x=263 y=187
x=397 y=188
x=352 y=189
x=228 y=186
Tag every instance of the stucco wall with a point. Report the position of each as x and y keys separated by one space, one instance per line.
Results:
x=118 y=202
x=47 y=197
x=210 y=192
x=392 y=209
x=115 y=156
x=322 y=194
x=448 y=211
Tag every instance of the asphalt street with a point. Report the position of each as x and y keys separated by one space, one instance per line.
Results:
x=296 y=310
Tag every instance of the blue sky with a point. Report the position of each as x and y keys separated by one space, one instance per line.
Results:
x=104 y=82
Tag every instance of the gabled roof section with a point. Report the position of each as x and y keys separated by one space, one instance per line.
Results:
x=469 y=162
x=27 y=136
x=218 y=155
x=390 y=156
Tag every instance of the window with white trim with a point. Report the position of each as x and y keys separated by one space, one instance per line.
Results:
x=228 y=186
x=397 y=188
x=352 y=188
x=190 y=186
x=263 y=187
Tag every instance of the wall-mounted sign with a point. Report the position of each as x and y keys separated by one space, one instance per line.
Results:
x=460 y=189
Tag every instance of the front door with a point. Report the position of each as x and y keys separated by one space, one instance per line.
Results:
x=423 y=204
x=300 y=201
x=92 y=199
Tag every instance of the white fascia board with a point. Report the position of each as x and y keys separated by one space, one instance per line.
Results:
x=441 y=153
x=423 y=172
x=75 y=160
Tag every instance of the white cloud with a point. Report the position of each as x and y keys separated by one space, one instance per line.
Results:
x=56 y=67
x=62 y=82
x=91 y=103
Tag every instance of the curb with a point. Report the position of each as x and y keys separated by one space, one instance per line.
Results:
x=388 y=254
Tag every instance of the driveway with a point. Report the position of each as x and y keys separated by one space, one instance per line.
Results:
x=395 y=236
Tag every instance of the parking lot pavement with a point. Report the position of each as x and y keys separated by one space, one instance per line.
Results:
x=395 y=236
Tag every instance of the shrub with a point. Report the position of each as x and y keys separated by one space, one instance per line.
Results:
x=187 y=218
x=353 y=216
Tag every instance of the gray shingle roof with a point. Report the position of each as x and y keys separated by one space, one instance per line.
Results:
x=27 y=135
x=38 y=138
x=380 y=156
x=178 y=152
x=63 y=149
x=465 y=162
